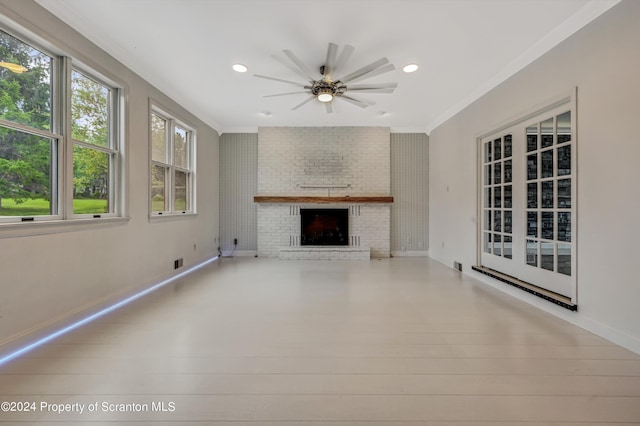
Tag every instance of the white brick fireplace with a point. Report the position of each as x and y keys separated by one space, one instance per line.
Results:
x=337 y=167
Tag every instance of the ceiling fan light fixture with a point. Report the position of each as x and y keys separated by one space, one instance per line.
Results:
x=240 y=68
x=410 y=68
x=325 y=97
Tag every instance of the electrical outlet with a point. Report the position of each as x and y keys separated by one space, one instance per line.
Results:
x=235 y=241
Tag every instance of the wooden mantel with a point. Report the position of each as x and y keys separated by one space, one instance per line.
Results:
x=319 y=199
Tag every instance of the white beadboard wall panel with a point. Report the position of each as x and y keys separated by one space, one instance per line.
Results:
x=238 y=185
x=410 y=191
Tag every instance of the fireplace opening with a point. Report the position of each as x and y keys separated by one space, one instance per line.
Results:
x=324 y=227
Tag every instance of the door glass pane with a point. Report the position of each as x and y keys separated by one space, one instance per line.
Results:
x=564 y=193
x=547 y=225
x=497 y=197
x=487 y=174
x=547 y=163
x=532 y=253
x=507 y=247
x=508 y=171
x=90 y=181
x=158 y=189
x=532 y=166
x=532 y=138
x=487 y=220
x=564 y=160
x=508 y=150
x=497 y=173
x=487 y=242
x=25 y=173
x=487 y=197
x=564 y=259
x=564 y=226
x=497 y=149
x=532 y=195
x=563 y=127
x=497 y=244
x=497 y=221
x=532 y=224
x=546 y=133
x=508 y=200
x=508 y=221
x=547 y=194
x=487 y=152
x=547 y=256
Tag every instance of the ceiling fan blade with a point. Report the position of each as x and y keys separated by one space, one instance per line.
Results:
x=291 y=67
x=283 y=94
x=328 y=107
x=280 y=80
x=372 y=86
x=357 y=102
x=303 y=102
x=347 y=50
x=330 y=62
x=381 y=70
x=303 y=67
x=365 y=70
x=372 y=90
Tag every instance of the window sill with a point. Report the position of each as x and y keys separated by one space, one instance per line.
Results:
x=171 y=216
x=45 y=227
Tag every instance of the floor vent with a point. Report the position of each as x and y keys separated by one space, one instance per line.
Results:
x=457 y=266
x=178 y=263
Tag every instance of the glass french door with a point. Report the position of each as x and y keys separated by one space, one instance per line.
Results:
x=528 y=201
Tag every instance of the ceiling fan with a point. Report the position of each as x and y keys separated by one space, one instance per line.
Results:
x=325 y=85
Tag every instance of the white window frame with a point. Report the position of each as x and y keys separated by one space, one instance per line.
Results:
x=173 y=122
x=113 y=149
x=62 y=218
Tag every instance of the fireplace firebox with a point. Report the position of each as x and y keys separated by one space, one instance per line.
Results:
x=324 y=227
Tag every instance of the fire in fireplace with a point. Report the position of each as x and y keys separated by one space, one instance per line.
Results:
x=324 y=227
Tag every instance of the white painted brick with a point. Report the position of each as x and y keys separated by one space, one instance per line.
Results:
x=292 y=156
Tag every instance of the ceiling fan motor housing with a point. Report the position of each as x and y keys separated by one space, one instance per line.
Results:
x=334 y=88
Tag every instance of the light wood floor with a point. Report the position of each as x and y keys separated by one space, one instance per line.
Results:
x=388 y=342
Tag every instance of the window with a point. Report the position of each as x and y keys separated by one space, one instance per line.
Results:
x=29 y=143
x=34 y=147
x=172 y=165
x=527 y=201
x=94 y=150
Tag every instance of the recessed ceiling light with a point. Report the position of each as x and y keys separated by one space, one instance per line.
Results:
x=265 y=113
x=410 y=68
x=239 y=68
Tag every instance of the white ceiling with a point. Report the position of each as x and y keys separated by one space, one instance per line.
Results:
x=186 y=49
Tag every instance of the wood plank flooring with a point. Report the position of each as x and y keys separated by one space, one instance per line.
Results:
x=399 y=341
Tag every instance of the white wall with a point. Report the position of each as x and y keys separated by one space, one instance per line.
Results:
x=603 y=62
x=47 y=277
